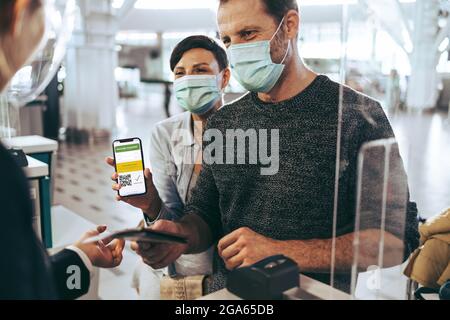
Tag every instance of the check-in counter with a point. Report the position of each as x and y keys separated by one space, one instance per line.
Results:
x=37 y=174
x=41 y=155
x=309 y=289
x=38 y=147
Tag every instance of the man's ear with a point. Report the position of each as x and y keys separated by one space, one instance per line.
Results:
x=226 y=77
x=292 y=24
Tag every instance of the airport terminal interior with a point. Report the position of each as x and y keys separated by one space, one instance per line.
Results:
x=112 y=80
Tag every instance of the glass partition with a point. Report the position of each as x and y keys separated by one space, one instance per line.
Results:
x=9 y=119
x=374 y=219
x=380 y=221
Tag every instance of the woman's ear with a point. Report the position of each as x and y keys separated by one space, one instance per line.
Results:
x=226 y=77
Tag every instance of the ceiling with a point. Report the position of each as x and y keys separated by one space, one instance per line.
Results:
x=178 y=20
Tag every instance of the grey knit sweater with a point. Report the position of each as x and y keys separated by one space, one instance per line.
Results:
x=297 y=202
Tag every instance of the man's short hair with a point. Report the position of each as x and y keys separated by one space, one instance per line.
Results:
x=200 y=42
x=275 y=8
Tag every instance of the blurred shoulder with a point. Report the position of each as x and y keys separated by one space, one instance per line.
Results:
x=333 y=91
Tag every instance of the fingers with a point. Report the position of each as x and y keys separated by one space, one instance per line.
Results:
x=101 y=229
x=93 y=233
x=120 y=246
x=235 y=262
x=107 y=241
x=230 y=251
x=135 y=246
x=233 y=255
x=165 y=226
x=117 y=257
x=114 y=177
x=145 y=246
x=228 y=240
x=158 y=262
x=116 y=186
x=119 y=198
x=101 y=245
x=117 y=247
x=171 y=257
x=148 y=173
x=110 y=161
x=154 y=253
x=245 y=263
x=163 y=258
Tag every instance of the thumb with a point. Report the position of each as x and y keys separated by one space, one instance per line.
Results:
x=148 y=174
x=164 y=226
x=110 y=161
x=101 y=229
x=93 y=233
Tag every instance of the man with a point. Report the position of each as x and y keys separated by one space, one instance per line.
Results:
x=290 y=212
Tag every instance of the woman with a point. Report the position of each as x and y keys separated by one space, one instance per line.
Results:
x=201 y=71
x=26 y=272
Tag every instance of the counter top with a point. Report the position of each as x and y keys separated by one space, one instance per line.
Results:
x=32 y=144
x=35 y=169
x=310 y=289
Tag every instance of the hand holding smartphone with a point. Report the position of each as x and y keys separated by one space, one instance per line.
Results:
x=129 y=165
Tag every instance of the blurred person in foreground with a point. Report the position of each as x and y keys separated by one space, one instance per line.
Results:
x=26 y=271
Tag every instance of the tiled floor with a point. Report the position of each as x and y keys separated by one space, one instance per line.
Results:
x=83 y=185
x=425 y=144
x=83 y=182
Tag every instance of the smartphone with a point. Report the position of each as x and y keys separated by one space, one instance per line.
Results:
x=129 y=163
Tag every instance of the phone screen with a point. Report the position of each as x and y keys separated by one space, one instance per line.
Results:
x=130 y=167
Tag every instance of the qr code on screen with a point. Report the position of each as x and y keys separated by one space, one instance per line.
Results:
x=125 y=180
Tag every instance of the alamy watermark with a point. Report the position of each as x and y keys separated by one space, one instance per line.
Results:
x=232 y=147
x=73 y=281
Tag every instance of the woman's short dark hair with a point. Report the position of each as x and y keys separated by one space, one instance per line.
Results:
x=200 y=42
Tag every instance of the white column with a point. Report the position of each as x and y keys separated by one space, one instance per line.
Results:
x=91 y=94
x=423 y=84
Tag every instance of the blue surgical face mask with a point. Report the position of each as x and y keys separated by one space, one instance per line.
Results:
x=253 y=66
x=198 y=93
